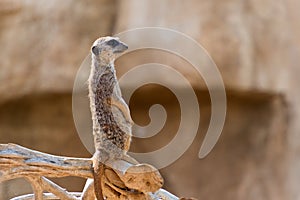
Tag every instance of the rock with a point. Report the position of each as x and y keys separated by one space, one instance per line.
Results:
x=43 y=43
x=248 y=162
x=244 y=38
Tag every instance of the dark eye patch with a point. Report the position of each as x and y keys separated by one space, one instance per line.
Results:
x=112 y=43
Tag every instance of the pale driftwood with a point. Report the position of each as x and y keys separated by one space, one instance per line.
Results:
x=45 y=196
x=123 y=179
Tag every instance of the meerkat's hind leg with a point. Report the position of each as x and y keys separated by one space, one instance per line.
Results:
x=129 y=159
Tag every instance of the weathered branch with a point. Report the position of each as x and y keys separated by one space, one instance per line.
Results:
x=17 y=161
x=122 y=178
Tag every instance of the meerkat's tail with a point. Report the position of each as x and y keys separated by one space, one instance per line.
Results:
x=98 y=175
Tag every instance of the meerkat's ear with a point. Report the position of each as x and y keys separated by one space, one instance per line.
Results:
x=96 y=50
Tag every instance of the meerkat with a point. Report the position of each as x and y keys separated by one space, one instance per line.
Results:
x=112 y=123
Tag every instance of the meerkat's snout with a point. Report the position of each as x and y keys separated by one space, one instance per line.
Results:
x=116 y=45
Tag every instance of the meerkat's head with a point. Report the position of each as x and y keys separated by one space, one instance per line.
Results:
x=106 y=48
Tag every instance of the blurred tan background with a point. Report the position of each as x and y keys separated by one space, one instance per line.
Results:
x=255 y=44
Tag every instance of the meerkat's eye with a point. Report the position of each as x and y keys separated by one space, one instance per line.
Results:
x=113 y=43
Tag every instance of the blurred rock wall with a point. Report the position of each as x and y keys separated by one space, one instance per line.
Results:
x=255 y=45
x=45 y=42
